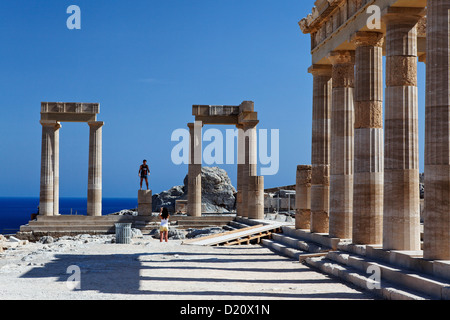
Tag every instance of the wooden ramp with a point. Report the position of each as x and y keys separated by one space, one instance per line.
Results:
x=237 y=237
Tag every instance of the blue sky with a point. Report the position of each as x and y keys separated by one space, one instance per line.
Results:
x=147 y=62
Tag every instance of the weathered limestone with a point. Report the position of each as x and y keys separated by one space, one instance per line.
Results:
x=56 y=170
x=437 y=137
x=248 y=198
x=401 y=219
x=195 y=170
x=368 y=161
x=320 y=155
x=342 y=145
x=94 y=199
x=255 y=195
x=52 y=113
x=303 y=198
x=46 y=205
x=249 y=167
x=240 y=169
x=145 y=202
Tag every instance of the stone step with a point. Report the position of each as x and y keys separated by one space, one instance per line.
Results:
x=237 y=225
x=106 y=229
x=298 y=244
x=419 y=282
x=282 y=249
x=385 y=290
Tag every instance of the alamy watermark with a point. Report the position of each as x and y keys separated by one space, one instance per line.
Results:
x=374 y=281
x=374 y=20
x=74 y=280
x=74 y=20
x=221 y=149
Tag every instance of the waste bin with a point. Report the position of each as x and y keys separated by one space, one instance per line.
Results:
x=123 y=233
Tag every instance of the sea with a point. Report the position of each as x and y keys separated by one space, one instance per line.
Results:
x=15 y=212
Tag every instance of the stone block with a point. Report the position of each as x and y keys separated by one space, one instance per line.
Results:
x=441 y=268
x=145 y=202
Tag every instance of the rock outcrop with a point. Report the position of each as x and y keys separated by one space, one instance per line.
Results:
x=218 y=193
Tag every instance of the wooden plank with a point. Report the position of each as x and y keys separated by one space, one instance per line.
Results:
x=221 y=234
x=235 y=236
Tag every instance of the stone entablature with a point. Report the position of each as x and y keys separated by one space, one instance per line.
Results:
x=332 y=24
x=69 y=111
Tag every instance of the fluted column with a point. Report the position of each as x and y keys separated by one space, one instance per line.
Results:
x=94 y=200
x=369 y=153
x=255 y=197
x=320 y=153
x=249 y=167
x=437 y=136
x=342 y=144
x=240 y=170
x=303 y=198
x=56 y=170
x=194 y=207
x=46 y=194
x=401 y=217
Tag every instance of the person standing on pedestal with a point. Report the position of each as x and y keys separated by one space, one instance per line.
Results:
x=144 y=171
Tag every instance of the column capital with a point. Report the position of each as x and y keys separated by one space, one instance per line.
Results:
x=342 y=57
x=403 y=15
x=95 y=124
x=320 y=70
x=249 y=125
x=50 y=123
x=192 y=125
x=368 y=38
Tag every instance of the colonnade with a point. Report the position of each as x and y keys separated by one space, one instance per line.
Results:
x=363 y=182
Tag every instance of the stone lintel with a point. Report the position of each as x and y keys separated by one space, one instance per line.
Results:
x=226 y=115
x=70 y=107
x=218 y=120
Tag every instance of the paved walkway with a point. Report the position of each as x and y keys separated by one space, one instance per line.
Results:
x=154 y=270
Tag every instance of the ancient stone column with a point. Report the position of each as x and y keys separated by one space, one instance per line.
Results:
x=303 y=198
x=401 y=218
x=437 y=137
x=240 y=170
x=320 y=153
x=250 y=164
x=342 y=144
x=94 y=199
x=369 y=153
x=255 y=194
x=194 y=207
x=56 y=170
x=46 y=194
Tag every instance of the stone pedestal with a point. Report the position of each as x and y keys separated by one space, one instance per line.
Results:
x=401 y=218
x=437 y=139
x=342 y=145
x=255 y=197
x=303 y=198
x=145 y=202
x=320 y=153
x=94 y=199
x=369 y=147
